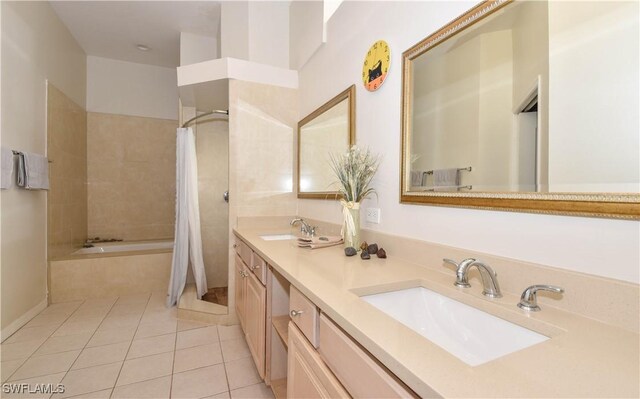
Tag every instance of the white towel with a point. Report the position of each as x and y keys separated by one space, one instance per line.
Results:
x=446 y=177
x=33 y=171
x=6 y=167
x=319 y=242
x=416 y=178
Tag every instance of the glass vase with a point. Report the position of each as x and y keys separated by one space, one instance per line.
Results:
x=352 y=236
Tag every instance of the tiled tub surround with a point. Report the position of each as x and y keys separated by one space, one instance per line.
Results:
x=80 y=277
x=130 y=347
x=67 y=196
x=131 y=176
x=583 y=358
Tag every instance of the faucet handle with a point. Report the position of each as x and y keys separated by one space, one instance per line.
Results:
x=450 y=261
x=529 y=298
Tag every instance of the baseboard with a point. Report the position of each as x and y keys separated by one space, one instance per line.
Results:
x=22 y=320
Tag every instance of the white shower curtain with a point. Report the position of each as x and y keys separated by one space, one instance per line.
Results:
x=188 y=241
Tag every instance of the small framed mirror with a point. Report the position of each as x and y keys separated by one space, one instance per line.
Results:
x=528 y=106
x=328 y=130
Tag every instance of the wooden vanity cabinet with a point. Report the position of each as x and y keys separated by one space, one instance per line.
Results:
x=251 y=302
x=240 y=283
x=255 y=320
x=307 y=375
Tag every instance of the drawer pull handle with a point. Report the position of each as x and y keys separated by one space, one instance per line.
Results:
x=235 y=245
x=295 y=313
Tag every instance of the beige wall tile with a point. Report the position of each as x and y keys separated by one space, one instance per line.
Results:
x=67 y=196
x=131 y=176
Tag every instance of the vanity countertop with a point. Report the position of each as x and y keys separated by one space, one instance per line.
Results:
x=583 y=358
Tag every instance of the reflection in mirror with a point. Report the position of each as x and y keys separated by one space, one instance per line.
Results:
x=528 y=97
x=328 y=130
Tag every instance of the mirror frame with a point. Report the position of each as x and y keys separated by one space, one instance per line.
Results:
x=350 y=95
x=607 y=205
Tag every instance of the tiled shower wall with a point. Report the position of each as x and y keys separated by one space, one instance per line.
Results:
x=67 y=151
x=131 y=176
x=212 y=149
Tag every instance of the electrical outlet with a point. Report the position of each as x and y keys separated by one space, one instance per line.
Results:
x=373 y=215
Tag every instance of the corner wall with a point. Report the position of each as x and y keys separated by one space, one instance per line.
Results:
x=36 y=46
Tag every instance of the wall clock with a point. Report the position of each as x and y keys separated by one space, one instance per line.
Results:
x=376 y=65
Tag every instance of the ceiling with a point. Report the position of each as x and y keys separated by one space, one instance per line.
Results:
x=112 y=29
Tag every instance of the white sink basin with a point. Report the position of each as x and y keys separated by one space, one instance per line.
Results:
x=473 y=336
x=277 y=237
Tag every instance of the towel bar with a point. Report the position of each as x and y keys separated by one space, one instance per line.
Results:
x=18 y=152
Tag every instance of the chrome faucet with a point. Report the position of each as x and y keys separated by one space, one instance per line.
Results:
x=489 y=277
x=305 y=228
x=529 y=298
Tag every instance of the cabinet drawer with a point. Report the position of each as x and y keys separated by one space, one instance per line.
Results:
x=361 y=375
x=307 y=375
x=245 y=252
x=259 y=267
x=304 y=314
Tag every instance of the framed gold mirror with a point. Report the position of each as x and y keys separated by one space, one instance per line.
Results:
x=526 y=106
x=328 y=130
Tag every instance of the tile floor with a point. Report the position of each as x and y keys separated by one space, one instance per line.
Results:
x=128 y=347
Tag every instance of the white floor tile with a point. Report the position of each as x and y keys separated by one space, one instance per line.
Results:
x=9 y=367
x=32 y=384
x=230 y=332
x=133 y=299
x=152 y=346
x=127 y=309
x=235 y=349
x=64 y=343
x=91 y=379
x=199 y=383
x=242 y=373
x=200 y=336
x=153 y=389
x=104 y=394
x=223 y=395
x=153 y=316
x=45 y=364
x=153 y=329
x=184 y=325
x=106 y=337
x=73 y=327
x=100 y=301
x=146 y=368
x=62 y=308
x=119 y=321
x=46 y=320
x=19 y=350
x=99 y=355
x=258 y=391
x=31 y=334
x=196 y=357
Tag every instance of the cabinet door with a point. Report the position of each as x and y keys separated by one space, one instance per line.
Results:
x=255 y=320
x=307 y=375
x=240 y=284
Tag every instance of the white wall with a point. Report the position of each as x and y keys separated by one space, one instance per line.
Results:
x=306 y=31
x=197 y=48
x=256 y=31
x=36 y=46
x=126 y=88
x=603 y=247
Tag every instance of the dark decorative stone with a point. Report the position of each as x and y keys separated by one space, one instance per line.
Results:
x=373 y=249
x=364 y=246
x=365 y=255
x=350 y=251
x=382 y=254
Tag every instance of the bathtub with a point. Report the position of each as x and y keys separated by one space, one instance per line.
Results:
x=110 y=247
x=111 y=269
